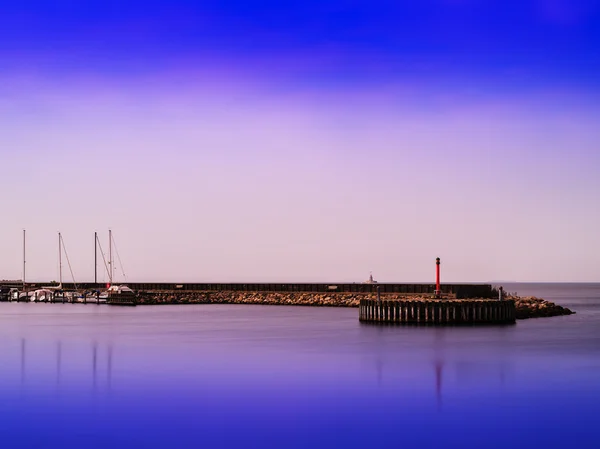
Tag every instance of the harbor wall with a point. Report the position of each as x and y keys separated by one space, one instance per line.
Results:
x=437 y=312
x=458 y=290
x=526 y=307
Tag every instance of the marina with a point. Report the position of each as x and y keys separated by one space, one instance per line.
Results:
x=71 y=292
x=125 y=294
x=379 y=303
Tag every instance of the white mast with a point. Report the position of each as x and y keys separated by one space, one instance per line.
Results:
x=59 y=260
x=110 y=258
x=23 y=258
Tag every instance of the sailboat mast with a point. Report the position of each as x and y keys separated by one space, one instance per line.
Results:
x=23 y=258
x=95 y=258
x=59 y=260
x=110 y=258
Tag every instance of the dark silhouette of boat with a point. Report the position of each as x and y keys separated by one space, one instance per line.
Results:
x=121 y=295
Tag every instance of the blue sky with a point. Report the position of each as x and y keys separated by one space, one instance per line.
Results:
x=531 y=42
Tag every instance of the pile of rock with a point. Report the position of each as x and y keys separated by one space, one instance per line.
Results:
x=532 y=307
x=268 y=298
x=527 y=307
x=272 y=298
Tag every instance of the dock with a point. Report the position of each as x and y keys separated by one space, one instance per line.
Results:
x=460 y=291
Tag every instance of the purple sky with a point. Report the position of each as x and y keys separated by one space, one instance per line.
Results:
x=280 y=145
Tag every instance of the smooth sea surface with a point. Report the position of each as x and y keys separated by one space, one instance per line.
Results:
x=237 y=376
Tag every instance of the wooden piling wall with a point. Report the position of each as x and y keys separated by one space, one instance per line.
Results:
x=438 y=312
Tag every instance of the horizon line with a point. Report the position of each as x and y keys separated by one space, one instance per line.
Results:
x=298 y=282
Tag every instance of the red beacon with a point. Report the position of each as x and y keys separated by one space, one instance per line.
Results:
x=438 y=291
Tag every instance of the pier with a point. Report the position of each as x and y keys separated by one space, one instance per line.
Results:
x=457 y=290
x=438 y=311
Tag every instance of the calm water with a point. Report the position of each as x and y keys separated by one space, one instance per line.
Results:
x=211 y=376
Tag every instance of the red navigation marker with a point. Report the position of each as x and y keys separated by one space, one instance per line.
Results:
x=438 y=292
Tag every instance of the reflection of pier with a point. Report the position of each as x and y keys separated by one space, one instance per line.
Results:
x=109 y=366
x=22 y=360
x=94 y=362
x=461 y=373
x=468 y=372
x=59 y=363
x=438 y=382
x=58 y=359
x=379 y=371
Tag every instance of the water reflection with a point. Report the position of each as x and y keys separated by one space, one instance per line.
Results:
x=22 y=361
x=58 y=360
x=379 y=369
x=437 y=372
x=445 y=363
x=213 y=377
x=445 y=373
x=32 y=360
x=109 y=367
x=438 y=383
x=94 y=362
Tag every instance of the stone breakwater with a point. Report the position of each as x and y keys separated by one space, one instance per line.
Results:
x=526 y=307
x=532 y=307
x=269 y=298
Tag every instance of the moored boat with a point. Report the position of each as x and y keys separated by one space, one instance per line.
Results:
x=41 y=295
x=121 y=295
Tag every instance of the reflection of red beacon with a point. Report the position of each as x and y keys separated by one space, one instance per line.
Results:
x=438 y=382
x=438 y=291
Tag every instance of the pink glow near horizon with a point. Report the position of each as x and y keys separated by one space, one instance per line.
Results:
x=241 y=182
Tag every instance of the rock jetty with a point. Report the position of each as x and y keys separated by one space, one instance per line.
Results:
x=268 y=298
x=526 y=307
x=532 y=307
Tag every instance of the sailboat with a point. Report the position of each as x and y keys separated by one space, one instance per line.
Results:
x=120 y=295
x=51 y=291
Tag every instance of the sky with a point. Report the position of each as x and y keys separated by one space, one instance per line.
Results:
x=313 y=142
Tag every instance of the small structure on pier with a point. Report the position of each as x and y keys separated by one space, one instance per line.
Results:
x=371 y=280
